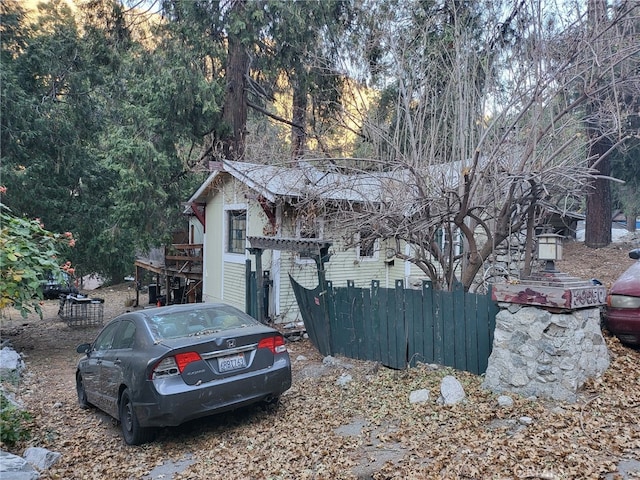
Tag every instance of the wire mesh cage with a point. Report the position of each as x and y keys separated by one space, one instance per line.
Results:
x=81 y=311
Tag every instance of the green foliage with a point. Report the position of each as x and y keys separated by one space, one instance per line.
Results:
x=28 y=253
x=100 y=131
x=104 y=115
x=13 y=423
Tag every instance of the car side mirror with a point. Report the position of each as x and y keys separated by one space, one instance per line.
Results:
x=84 y=348
x=635 y=254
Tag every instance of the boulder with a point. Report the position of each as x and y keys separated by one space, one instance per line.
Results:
x=11 y=362
x=13 y=467
x=41 y=458
x=419 y=396
x=451 y=391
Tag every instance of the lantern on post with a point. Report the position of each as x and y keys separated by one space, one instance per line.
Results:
x=550 y=250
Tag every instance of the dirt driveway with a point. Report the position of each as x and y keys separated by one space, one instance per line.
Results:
x=322 y=430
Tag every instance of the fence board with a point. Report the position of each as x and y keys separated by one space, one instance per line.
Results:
x=390 y=315
x=448 y=328
x=398 y=319
x=376 y=322
x=415 y=329
x=399 y=326
x=438 y=328
x=341 y=316
x=355 y=314
x=428 y=321
x=460 y=327
x=471 y=337
x=317 y=310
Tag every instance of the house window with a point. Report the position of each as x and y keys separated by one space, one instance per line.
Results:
x=237 y=231
x=308 y=229
x=368 y=246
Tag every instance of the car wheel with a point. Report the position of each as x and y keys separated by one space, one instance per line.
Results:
x=132 y=432
x=82 y=393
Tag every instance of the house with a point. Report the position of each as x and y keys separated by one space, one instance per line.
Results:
x=240 y=203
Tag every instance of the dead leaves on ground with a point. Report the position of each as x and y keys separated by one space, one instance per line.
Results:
x=473 y=440
x=476 y=439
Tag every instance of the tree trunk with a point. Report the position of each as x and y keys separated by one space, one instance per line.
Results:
x=234 y=111
x=598 y=219
x=631 y=221
x=298 y=136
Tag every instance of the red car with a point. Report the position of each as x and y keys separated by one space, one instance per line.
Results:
x=622 y=313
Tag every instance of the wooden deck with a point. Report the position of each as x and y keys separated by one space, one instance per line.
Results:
x=176 y=264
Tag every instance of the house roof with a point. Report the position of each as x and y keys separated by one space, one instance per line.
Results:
x=272 y=182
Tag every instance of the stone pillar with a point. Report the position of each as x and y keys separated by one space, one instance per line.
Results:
x=543 y=354
x=548 y=340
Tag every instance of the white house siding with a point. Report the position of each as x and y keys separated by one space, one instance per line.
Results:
x=224 y=274
x=213 y=248
x=234 y=285
x=224 y=278
x=342 y=266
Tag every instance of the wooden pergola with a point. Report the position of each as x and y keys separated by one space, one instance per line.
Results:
x=312 y=248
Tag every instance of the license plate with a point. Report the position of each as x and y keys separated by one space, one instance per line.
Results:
x=232 y=362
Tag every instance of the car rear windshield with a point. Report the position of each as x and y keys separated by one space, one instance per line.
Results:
x=200 y=321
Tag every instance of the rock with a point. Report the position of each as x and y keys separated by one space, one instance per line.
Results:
x=41 y=458
x=10 y=362
x=170 y=467
x=451 y=391
x=344 y=380
x=419 y=396
x=301 y=358
x=505 y=401
x=9 y=396
x=13 y=467
x=525 y=420
x=330 y=361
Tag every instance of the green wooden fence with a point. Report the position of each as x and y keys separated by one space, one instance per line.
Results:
x=400 y=327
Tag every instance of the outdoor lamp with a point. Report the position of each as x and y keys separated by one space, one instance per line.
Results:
x=550 y=249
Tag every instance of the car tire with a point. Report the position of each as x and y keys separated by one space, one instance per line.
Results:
x=132 y=432
x=82 y=393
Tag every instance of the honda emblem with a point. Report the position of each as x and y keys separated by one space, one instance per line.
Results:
x=231 y=343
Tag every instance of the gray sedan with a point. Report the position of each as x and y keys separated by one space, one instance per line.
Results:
x=165 y=366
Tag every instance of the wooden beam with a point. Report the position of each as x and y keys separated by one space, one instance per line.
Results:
x=184 y=258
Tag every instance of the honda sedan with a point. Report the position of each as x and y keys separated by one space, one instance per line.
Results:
x=622 y=313
x=164 y=366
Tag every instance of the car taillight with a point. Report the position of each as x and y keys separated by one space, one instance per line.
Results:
x=174 y=365
x=275 y=344
x=623 y=301
x=184 y=359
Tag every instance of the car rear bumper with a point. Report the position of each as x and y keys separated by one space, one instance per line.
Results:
x=174 y=402
x=624 y=323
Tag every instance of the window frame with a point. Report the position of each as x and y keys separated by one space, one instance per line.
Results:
x=319 y=230
x=104 y=341
x=117 y=340
x=375 y=247
x=234 y=256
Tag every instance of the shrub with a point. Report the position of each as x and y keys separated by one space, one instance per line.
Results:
x=13 y=422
